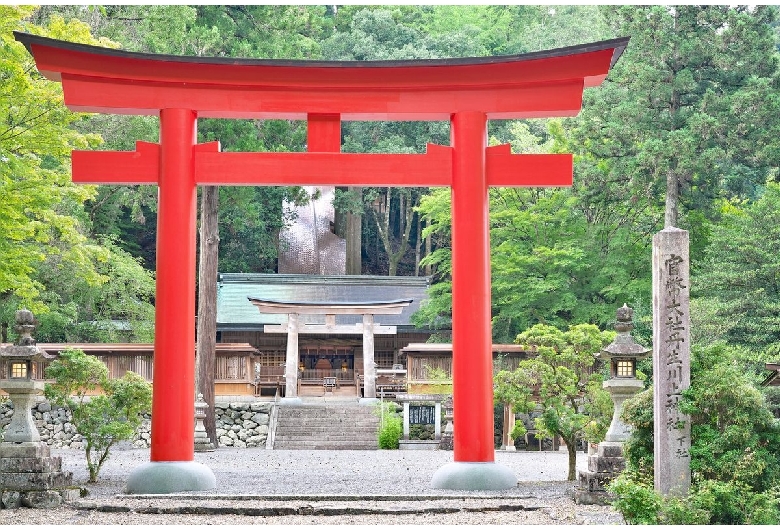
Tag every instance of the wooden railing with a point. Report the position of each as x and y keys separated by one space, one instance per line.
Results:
x=343 y=377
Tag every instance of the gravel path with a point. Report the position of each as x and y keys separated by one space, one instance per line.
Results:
x=255 y=486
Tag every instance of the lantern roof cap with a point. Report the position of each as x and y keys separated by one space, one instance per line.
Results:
x=624 y=345
x=25 y=347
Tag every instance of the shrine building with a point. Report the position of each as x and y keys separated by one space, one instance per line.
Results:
x=325 y=348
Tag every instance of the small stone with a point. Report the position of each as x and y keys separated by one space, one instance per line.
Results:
x=239 y=443
x=260 y=418
x=248 y=424
x=235 y=428
x=239 y=406
x=224 y=440
x=10 y=500
x=44 y=406
x=41 y=499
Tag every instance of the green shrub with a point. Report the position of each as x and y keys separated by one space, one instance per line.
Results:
x=102 y=420
x=638 y=502
x=390 y=427
x=735 y=450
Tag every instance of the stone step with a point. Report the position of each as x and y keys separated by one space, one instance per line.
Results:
x=297 y=434
x=317 y=446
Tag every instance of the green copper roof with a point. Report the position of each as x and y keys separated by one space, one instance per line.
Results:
x=234 y=311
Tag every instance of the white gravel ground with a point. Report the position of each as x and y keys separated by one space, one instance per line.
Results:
x=312 y=484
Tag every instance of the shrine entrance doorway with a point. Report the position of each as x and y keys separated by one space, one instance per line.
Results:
x=466 y=92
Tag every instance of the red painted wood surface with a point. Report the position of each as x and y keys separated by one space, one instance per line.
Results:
x=472 y=361
x=173 y=400
x=212 y=167
x=466 y=92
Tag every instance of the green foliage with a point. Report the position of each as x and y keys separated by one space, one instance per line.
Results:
x=104 y=419
x=390 y=426
x=738 y=284
x=636 y=500
x=638 y=449
x=442 y=382
x=709 y=502
x=735 y=449
x=37 y=212
x=573 y=403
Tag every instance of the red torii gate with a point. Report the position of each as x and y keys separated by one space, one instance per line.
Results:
x=467 y=92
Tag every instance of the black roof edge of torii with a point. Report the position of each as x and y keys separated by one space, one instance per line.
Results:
x=619 y=44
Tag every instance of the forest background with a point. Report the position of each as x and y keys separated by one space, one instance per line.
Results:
x=683 y=132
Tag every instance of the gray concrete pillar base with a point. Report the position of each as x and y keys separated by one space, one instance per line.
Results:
x=170 y=477
x=290 y=401
x=473 y=476
x=368 y=401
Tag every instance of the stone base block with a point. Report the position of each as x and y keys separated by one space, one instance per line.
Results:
x=593 y=481
x=610 y=449
x=170 y=477
x=474 y=476
x=204 y=447
x=46 y=499
x=41 y=499
x=603 y=464
x=30 y=465
x=36 y=481
x=24 y=450
x=583 y=496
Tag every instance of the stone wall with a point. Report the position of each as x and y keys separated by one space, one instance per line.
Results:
x=238 y=425
x=243 y=424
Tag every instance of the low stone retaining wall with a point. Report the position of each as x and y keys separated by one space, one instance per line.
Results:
x=243 y=424
x=238 y=425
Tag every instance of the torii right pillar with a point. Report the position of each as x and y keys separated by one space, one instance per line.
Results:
x=472 y=360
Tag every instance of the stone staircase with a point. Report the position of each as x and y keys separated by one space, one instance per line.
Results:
x=338 y=425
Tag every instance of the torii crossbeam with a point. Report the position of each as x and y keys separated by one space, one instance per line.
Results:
x=466 y=92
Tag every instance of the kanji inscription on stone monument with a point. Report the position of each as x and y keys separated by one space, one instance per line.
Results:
x=671 y=360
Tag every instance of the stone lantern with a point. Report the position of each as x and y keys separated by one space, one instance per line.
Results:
x=29 y=475
x=18 y=382
x=622 y=355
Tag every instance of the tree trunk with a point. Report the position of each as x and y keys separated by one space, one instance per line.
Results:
x=354 y=239
x=207 y=305
x=340 y=217
x=571 y=447
x=418 y=246
x=428 y=250
x=671 y=211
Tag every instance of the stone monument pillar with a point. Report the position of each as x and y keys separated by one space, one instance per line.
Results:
x=671 y=360
x=622 y=355
x=29 y=475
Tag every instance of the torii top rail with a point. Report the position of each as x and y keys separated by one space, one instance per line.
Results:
x=467 y=92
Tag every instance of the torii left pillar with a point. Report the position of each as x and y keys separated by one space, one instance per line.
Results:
x=172 y=467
